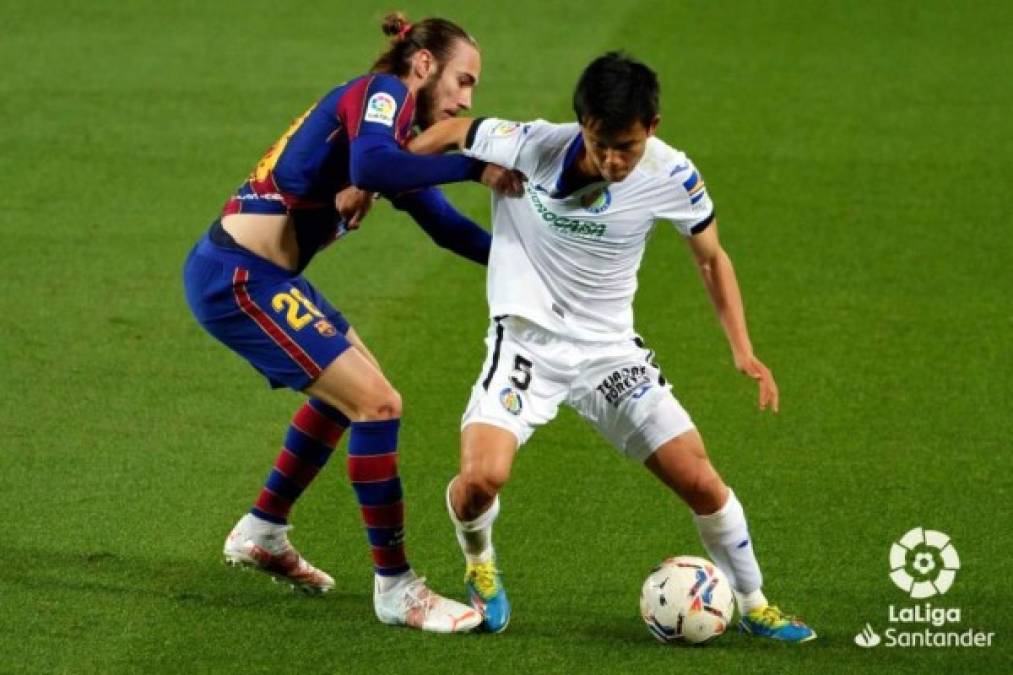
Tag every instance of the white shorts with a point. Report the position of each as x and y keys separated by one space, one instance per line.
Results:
x=616 y=386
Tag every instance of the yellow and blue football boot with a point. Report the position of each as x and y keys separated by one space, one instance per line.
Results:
x=487 y=595
x=771 y=622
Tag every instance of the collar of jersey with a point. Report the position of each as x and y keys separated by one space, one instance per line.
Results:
x=561 y=191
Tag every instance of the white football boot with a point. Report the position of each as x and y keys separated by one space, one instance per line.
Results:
x=411 y=603
x=258 y=544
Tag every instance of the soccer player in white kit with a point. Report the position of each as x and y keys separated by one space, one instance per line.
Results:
x=562 y=276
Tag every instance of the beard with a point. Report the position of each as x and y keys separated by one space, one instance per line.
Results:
x=425 y=104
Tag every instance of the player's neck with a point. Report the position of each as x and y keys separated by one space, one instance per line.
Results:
x=583 y=172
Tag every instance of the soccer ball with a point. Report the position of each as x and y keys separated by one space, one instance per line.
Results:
x=687 y=599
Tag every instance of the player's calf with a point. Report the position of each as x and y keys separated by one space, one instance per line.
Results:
x=315 y=431
x=487 y=454
x=682 y=464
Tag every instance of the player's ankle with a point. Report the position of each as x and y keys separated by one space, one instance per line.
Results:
x=480 y=558
x=385 y=582
x=749 y=601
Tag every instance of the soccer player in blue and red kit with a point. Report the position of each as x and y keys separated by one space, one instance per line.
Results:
x=244 y=284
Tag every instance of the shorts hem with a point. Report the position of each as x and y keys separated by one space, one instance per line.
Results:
x=646 y=449
x=499 y=424
x=307 y=379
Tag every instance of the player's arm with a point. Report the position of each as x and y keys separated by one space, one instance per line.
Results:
x=687 y=204
x=515 y=146
x=458 y=134
x=451 y=134
x=445 y=225
x=377 y=163
x=723 y=288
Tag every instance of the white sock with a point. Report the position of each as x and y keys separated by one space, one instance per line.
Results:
x=384 y=582
x=475 y=536
x=750 y=601
x=725 y=535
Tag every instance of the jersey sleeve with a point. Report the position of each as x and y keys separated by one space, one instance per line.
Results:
x=513 y=145
x=376 y=108
x=686 y=203
x=446 y=226
x=373 y=112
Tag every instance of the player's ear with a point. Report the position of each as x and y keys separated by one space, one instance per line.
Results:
x=423 y=63
x=654 y=125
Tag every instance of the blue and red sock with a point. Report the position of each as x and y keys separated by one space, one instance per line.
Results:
x=315 y=431
x=372 y=469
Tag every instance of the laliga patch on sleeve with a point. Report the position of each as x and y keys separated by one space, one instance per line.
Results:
x=381 y=108
x=504 y=129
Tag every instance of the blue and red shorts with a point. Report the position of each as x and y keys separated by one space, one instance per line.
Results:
x=270 y=316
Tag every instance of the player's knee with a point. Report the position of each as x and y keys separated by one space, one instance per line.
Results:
x=379 y=402
x=483 y=483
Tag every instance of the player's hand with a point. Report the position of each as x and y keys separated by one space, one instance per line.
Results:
x=754 y=368
x=353 y=204
x=503 y=181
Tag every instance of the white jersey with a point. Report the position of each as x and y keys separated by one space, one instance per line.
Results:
x=568 y=262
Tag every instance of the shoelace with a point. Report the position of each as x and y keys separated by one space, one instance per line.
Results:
x=484 y=578
x=418 y=596
x=772 y=614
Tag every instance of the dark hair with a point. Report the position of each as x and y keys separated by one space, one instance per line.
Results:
x=436 y=35
x=615 y=91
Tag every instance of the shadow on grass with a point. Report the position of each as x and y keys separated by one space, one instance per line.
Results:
x=179 y=581
x=631 y=633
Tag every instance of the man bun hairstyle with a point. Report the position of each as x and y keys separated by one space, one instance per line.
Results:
x=615 y=91
x=394 y=24
x=439 y=36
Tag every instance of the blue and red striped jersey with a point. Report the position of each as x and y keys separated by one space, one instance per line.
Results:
x=301 y=173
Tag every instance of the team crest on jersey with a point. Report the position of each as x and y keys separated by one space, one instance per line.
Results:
x=597 y=201
x=381 y=108
x=504 y=129
x=511 y=401
x=325 y=328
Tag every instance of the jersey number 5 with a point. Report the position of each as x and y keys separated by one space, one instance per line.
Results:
x=521 y=375
x=291 y=303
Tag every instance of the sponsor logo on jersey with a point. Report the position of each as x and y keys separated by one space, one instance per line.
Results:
x=567 y=227
x=260 y=196
x=381 y=108
x=623 y=383
x=597 y=201
x=504 y=129
x=511 y=401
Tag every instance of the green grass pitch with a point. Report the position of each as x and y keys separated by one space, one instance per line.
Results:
x=861 y=157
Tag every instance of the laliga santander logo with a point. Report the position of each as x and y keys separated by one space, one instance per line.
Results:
x=924 y=563
x=380 y=109
x=381 y=105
